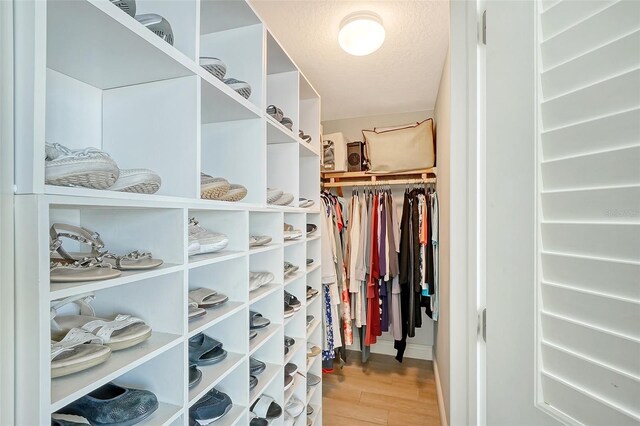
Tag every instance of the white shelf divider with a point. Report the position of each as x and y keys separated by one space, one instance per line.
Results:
x=95 y=77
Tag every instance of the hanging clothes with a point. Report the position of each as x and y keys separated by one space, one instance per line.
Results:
x=382 y=267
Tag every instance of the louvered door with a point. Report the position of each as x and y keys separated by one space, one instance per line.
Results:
x=589 y=307
x=563 y=212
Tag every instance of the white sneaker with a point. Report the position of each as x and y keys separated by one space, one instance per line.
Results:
x=203 y=241
x=88 y=168
x=141 y=181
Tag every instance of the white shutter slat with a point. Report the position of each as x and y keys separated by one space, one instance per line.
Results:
x=593 y=205
x=567 y=14
x=583 y=407
x=616 y=278
x=615 y=58
x=619 y=389
x=611 y=132
x=608 y=241
x=589 y=222
x=609 y=168
x=592 y=342
x=616 y=315
x=610 y=24
x=604 y=98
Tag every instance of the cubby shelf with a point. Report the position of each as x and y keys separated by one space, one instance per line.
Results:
x=213 y=316
x=98 y=78
x=263 y=336
x=68 y=388
x=312 y=327
x=213 y=374
x=62 y=290
x=263 y=292
x=271 y=372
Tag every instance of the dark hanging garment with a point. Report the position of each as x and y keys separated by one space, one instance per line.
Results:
x=404 y=271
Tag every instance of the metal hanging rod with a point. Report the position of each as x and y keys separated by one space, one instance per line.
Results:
x=379 y=182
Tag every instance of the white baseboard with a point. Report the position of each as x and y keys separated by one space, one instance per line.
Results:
x=441 y=408
x=385 y=347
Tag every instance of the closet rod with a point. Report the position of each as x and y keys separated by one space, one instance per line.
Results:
x=379 y=182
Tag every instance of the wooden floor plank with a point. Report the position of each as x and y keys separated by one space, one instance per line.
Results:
x=380 y=392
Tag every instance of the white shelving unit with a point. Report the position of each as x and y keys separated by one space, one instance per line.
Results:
x=88 y=74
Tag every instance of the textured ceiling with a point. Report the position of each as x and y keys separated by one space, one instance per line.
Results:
x=402 y=76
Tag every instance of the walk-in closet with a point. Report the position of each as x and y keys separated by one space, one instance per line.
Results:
x=307 y=213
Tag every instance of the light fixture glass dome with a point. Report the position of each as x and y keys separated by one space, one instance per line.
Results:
x=361 y=33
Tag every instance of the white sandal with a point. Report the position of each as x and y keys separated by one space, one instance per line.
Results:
x=206 y=298
x=121 y=332
x=77 y=351
x=132 y=261
x=87 y=269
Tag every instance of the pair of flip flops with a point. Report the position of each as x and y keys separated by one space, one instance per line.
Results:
x=289 y=268
x=293 y=408
x=201 y=299
x=311 y=228
x=292 y=301
x=291 y=233
x=259 y=240
x=304 y=203
x=204 y=350
x=311 y=292
x=257 y=321
x=265 y=407
x=289 y=370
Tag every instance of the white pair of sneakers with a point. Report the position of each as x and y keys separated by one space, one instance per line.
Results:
x=94 y=168
x=202 y=241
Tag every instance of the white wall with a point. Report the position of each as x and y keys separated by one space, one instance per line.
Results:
x=420 y=346
x=442 y=118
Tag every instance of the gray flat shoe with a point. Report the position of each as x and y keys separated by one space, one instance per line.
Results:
x=112 y=405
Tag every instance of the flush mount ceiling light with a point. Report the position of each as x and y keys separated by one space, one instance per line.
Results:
x=361 y=33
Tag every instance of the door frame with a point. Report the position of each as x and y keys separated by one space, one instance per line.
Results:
x=466 y=387
x=6 y=215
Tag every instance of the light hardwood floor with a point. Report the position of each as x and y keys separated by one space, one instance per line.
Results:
x=380 y=392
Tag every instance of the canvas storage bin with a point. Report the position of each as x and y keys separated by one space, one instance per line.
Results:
x=400 y=149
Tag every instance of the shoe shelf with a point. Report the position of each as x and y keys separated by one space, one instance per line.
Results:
x=213 y=374
x=214 y=316
x=90 y=75
x=264 y=335
x=264 y=291
x=293 y=350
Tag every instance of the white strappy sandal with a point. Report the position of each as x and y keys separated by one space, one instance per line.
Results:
x=135 y=260
x=86 y=269
x=120 y=332
x=77 y=351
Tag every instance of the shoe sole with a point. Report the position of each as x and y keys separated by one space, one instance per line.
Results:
x=214 y=192
x=141 y=188
x=80 y=366
x=207 y=421
x=129 y=343
x=93 y=180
